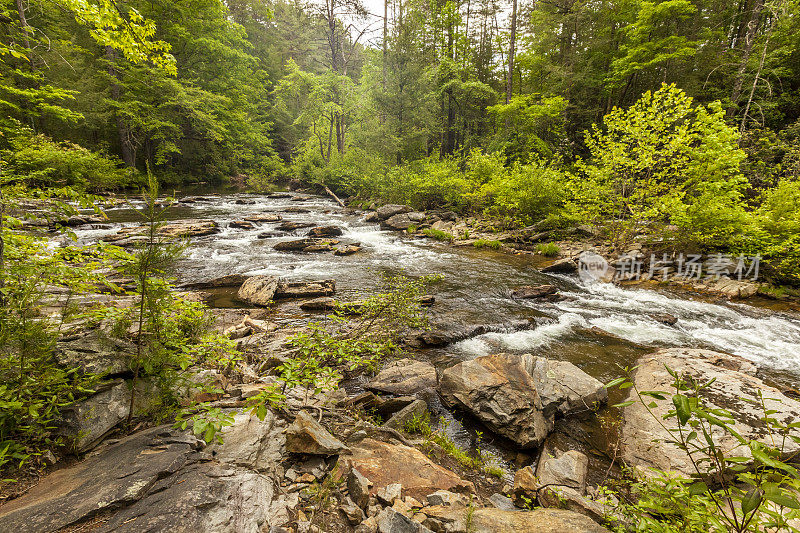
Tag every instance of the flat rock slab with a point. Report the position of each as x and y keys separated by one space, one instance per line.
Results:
x=384 y=464
x=734 y=383
x=119 y=475
x=160 y=480
x=564 y=389
x=405 y=376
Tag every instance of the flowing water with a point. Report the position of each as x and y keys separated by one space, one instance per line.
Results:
x=597 y=327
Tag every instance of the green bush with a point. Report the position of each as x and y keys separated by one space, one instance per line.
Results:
x=549 y=249
x=484 y=243
x=438 y=235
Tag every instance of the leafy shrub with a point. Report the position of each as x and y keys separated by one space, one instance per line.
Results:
x=548 y=249
x=484 y=243
x=438 y=235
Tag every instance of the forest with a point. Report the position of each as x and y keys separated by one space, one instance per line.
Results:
x=506 y=127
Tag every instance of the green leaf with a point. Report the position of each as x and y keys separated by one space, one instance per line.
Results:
x=751 y=501
x=624 y=404
x=682 y=408
x=698 y=488
x=783 y=500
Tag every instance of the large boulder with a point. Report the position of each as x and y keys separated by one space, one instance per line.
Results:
x=405 y=376
x=389 y=210
x=384 y=464
x=88 y=421
x=159 y=480
x=95 y=353
x=734 y=388
x=399 y=222
x=264 y=217
x=493 y=520
x=258 y=290
x=498 y=391
x=561 y=266
x=292 y=226
x=564 y=389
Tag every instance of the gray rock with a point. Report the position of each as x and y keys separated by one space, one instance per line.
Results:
x=416 y=409
x=352 y=512
x=391 y=492
x=358 y=486
x=265 y=217
x=399 y=222
x=561 y=266
x=307 y=436
x=405 y=376
x=445 y=498
x=308 y=244
x=326 y=303
x=734 y=389
x=95 y=353
x=306 y=289
x=531 y=291
x=251 y=443
x=258 y=290
x=292 y=226
x=87 y=422
x=502 y=502
x=350 y=249
x=499 y=391
x=564 y=388
x=390 y=210
x=390 y=521
x=567 y=470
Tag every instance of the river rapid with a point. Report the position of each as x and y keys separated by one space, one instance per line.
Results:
x=598 y=327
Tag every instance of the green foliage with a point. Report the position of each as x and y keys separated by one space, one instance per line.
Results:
x=483 y=243
x=206 y=423
x=439 y=235
x=752 y=492
x=663 y=161
x=548 y=249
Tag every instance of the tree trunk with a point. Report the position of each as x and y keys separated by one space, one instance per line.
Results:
x=749 y=39
x=511 y=50
x=125 y=145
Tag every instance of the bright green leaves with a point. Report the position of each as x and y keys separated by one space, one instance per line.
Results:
x=129 y=32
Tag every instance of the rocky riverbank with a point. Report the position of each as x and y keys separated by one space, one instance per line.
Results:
x=369 y=454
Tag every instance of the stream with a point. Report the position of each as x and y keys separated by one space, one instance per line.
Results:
x=597 y=327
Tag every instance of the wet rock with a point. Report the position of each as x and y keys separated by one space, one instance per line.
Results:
x=537 y=291
x=319 y=304
x=297 y=245
x=242 y=224
x=244 y=201
x=307 y=436
x=301 y=198
x=292 y=226
x=258 y=290
x=561 y=266
x=563 y=388
x=405 y=376
x=95 y=353
x=306 y=289
x=399 y=222
x=88 y=421
x=443 y=214
x=358 y=487
x=642 y=437
x=321 y=247
x=730 y=288
x=279 y=195
x=372 y=217
x=664 y=318
x=231 y=280
x=389 y=210
x=442 y=337
x=498 y=391
x=80 y=220
x=347 y=250
x=299 y=210
x=383 y=464
x=264 y=217
x=325 y=231
x=183 y=229
x=415 y=410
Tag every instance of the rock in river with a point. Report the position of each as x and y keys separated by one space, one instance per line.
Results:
x=325 y=231
x=390 y=210
x=499 y=391
x=258 y=290
x=561 y=266
x=563 y=388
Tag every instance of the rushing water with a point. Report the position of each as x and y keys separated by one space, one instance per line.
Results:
x=596 y=326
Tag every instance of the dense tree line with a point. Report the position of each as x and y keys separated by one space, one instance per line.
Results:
x=497 y=108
